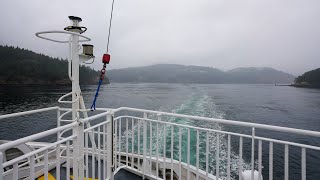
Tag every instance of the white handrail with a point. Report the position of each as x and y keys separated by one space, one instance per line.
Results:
x=26 y=162
x=35 y=136
x=20 y=158
x=28 y=112
x=107 y=128
x=122 y=134
x=94 y=117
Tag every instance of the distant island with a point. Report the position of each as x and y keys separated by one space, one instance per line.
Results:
x=173 y=73
x=310 y=79
x=21 y=66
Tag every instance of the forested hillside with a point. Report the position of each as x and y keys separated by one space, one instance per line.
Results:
x=173 y=73
x=309 y=79
x=21 y=66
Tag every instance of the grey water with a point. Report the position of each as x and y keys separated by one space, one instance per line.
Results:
x=265 y=104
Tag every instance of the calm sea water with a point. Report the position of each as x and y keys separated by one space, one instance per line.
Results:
x=266 y=104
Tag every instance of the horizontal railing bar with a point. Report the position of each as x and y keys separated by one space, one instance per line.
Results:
x=39 y=157
x=64 y=109
x=231 y=122
x=28 y=112
x=96 y=132
x=90 y=150
x=86 y=110
x=189 y=127
x=288 y=143
x=27 y=162
x=8 y=163
x=63 y=120
x=104 y=109
x=104 y=114
x=35 y=136
x=95 y=126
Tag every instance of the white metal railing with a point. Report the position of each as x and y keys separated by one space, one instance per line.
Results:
x=68 y=151
x=28 y=164
x=153 y=145
x=146 y=141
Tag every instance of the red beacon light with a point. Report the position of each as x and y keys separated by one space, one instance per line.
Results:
x=106 y=58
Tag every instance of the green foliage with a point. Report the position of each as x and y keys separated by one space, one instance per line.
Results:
x=21 y=66
x=310 y=77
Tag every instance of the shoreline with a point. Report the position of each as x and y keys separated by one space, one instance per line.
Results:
x=300 y=86
x=312 y=86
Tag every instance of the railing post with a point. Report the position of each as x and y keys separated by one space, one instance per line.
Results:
x=303 y=164
x=240 y=157
x=110 y=145
x=270 y=160
x=1 y=165
x=286 y=162
x=157 y=146
x=252 y=152
x=144 y=144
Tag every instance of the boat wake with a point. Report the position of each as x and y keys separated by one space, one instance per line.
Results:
x=197 y=105
x=203 y=105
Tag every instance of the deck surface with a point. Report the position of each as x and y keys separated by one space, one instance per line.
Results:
x=121 y=174
x=124 y=175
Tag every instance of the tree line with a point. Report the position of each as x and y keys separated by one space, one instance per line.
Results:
x=22 y=66
x=310 y=77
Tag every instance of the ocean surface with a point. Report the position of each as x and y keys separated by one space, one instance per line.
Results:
x=265 y=104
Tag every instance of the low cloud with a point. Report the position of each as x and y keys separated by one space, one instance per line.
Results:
x=223 y=34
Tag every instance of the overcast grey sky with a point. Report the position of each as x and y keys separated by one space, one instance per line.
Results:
x=226 y=34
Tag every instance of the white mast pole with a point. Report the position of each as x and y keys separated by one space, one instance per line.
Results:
x=78 y=142
x=77 y=148
x=75 y=69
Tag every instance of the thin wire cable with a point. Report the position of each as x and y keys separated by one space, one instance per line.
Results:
x=110 y=24
x=93 y=106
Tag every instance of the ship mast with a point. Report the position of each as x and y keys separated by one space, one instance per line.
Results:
x=75 y=33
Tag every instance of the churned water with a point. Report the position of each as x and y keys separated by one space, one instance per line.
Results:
x=267 y=104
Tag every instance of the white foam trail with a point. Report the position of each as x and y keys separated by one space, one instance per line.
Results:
x=204 y=106
x=198 y=105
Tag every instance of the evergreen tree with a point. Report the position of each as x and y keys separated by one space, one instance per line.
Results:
x=22 y=66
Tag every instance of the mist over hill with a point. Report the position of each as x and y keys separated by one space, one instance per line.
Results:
x=21 y=66
x=173 y=73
